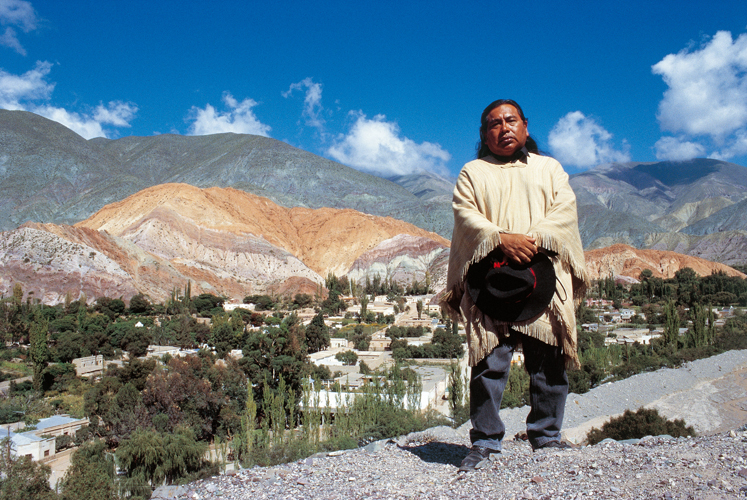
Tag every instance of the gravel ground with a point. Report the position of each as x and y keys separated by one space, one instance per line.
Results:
x=424 y=465
x=691 y=382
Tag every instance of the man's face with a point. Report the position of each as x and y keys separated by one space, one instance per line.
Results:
x=506 y=131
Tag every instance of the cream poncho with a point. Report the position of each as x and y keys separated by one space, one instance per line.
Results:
x=526 y=196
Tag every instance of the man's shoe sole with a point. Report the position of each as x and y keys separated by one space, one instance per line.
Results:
x=478 y=465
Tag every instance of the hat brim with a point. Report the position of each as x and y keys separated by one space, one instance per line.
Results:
x=482 y=279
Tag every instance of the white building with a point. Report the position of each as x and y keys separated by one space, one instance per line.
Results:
x=31 y=443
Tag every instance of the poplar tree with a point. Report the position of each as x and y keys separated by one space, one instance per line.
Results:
x=672 y=323
x=38 y=348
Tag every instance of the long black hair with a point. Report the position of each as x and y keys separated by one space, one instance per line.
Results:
x=482 y=148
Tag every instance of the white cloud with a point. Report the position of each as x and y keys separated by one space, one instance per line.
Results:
x=115 y=113
x=20 y=14
x=10 y=39
x=375 y=146
x=83 y=125
x=312 y=103
x=737 y=146
x=706 y=102
x=239 y=118
x=23 y=92
x=29 y=86
x=678 y=149
x=580 y=141
x=707 y=92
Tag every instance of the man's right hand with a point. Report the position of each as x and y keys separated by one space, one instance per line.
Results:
x=518 y=247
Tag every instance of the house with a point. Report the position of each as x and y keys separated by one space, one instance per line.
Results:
x=626 y=314
x=29 y=445
x=335 y=342
x=631 y=336
x=380 y=343
x=39 y=443
x=434 y=382
x=90 y=366
x=613 y=316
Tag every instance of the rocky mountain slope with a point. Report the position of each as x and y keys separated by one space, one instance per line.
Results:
x=224 y=240
x=50 y=174
x=624 y=260
x=694 y=207
x=229 y=242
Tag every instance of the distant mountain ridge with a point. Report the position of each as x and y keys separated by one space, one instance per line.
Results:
x=50 y=174
x=665 y=206
x=231 y=243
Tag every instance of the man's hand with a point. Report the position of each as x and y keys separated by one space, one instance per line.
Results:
x=518 y=247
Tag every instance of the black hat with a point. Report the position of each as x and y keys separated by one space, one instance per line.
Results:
x=508 y=291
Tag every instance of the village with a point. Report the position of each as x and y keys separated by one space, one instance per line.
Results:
x=619 y=326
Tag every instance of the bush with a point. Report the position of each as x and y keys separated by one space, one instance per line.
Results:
x=348 y=358
x=62 y=442
x=636 y=425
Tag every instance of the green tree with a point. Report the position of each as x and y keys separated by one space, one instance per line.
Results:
x=317 y=334
x=458 y=397
x=38 y=349
x=349 y=358
x=139 y=304
x=697 y=336
x=273 y=353
x=517 y=388
x=223 y=339
x=419 y=306
x=303 y=300
x=184 y=456
x=21 y=478
x=206 y=303
x=91 y=475
x=364 y=307
x=361 y=339
x=450 y=343
x=142 y=456
x=672 y=323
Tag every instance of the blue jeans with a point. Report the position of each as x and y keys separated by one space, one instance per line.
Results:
x=548 y=389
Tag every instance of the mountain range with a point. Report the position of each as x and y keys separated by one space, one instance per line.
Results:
x=225 y=241
x=232 y=243
x=240 y=214
x=694 y=207
x=50 y=174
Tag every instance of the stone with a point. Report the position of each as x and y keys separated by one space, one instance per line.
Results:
x=169 y=492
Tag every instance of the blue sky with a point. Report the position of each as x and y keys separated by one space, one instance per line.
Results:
x=390 y=87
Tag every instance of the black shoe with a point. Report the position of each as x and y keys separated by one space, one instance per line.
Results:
x=476 y=459
x=553 y=445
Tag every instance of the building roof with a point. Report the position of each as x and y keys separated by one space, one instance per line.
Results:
x=54 y=421
x=19 y=439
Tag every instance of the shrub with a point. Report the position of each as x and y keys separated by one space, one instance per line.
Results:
x=62 y=442
x=644 y=422
x=348 y=358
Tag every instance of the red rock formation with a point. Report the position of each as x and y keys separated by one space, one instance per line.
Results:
x=224 y=241
x=624 y=260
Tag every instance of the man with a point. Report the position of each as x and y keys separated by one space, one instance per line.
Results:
x=517 y=203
